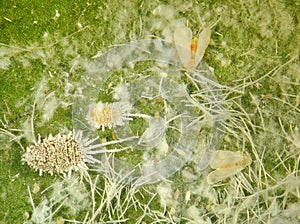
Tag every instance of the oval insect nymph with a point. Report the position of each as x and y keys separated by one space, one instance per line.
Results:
x=56 y=154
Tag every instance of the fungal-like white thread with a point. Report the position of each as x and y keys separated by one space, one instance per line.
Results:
x=169 y=145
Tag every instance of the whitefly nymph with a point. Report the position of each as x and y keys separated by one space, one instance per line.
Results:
x=102 y=115
x=65 y=153
x=59 y=154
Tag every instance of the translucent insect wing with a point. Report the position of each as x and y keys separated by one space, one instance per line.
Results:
x=221 y=174
x=154 y=134
x=225 y=159
x=227 y=163
x=203 y=40
x=182 y=40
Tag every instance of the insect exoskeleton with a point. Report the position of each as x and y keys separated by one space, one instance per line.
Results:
x=102 y=115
